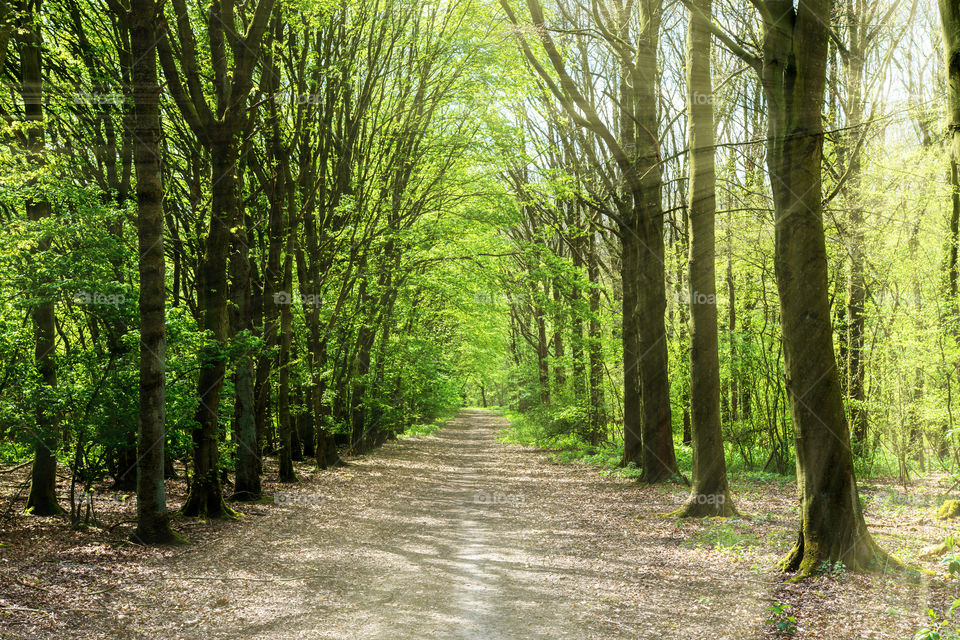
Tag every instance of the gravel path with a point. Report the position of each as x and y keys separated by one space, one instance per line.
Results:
x=454 y=536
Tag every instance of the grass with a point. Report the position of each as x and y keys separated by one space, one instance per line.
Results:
x=533 y=429
x=424 y=430
x=567 y=448
x=732 y=535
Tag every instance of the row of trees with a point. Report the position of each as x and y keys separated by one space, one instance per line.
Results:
x=296 y=179
x=622 y=130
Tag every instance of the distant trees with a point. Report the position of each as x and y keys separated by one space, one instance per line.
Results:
x=629 y=136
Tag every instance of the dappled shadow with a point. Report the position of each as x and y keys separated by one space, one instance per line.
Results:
x=454 y=536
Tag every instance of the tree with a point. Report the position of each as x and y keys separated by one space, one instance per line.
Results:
x=950 y=23
x=153 y=522
x=42 y=499
x=792 y=70
x=648 y=429
x=709 y=495
x=793 y=75
x=219 y=130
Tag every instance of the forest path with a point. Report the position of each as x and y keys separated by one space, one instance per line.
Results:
x=454 y=536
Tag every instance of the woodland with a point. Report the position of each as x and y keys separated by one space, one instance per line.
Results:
x=473 y=297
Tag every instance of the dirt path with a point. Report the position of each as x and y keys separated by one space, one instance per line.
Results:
x=453 y=536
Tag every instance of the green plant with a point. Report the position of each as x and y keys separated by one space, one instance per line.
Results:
x=951 y=561
x=835 y=570
x=785 y=624
x=944 y=628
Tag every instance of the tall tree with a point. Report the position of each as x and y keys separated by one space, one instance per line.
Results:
x=633 y=144
x=219 y=130
x=792 y=68
x=793 y=75
x=709 y=494
x=153 y=522
x=950 y=23
x=42 y=499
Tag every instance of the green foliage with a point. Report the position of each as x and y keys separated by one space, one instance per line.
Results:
x=836 y=570
x=420 y=430
x=780 y=619
x=940 y=628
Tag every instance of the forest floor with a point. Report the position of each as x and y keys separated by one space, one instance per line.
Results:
x=460 y=536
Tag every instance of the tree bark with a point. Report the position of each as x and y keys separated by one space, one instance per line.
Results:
x=247 y=484
x=285 y=435
x=793 y=75
x=659 y=459
x=709 y=494
x=153 y=521
x=206 y=494
x=598 y=418
x=42 y=499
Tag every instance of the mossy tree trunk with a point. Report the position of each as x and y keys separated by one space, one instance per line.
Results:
x=793 y=76
x=153 y=521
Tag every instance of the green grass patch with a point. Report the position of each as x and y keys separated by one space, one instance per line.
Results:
x=729 y=535
x=567 y=446
x=426 y=429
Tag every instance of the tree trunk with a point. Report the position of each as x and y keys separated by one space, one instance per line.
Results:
x=543 y=353
x=950 y=17
x=559 y=351
x=659 y=460
x=793 y=76
x=285 y=448
x=632 y=398
x=42 y=499
x=247 y=484
x=856 y=285
x=206 y=495
x=296 y=426
x=361 y=431
x=153 y=521
x=576 y=324
x=709 y=494
x=598 y=418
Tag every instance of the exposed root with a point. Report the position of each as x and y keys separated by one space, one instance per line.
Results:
x=807 y=560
